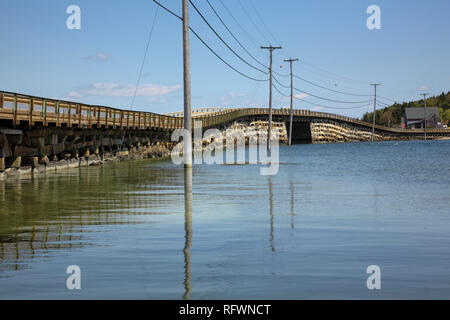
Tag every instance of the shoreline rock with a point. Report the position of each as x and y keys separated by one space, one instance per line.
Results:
x=97 y=159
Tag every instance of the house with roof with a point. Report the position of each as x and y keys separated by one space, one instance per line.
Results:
x=413 y=118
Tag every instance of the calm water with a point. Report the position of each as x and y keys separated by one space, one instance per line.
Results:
x=308 y=232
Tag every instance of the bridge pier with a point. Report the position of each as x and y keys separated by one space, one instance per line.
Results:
x=47 y=149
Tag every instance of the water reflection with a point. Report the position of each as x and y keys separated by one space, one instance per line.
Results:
x=187 y=232
x=272 y=245
x=291 y=187
x=54 y=211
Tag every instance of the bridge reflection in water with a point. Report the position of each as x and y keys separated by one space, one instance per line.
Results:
x=54 y=212
x=58 y=214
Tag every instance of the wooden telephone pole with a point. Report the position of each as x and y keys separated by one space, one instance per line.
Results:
x=374 y=109
x=271 y=49
x=425 y=115
x=290 y=60
x=187 y=152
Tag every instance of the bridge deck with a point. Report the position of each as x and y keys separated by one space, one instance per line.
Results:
x=50 y=112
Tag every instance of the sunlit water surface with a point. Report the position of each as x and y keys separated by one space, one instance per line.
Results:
x=308 y=232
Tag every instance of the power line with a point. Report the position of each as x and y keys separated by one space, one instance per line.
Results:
x=337 y=91
x=230 y=66
x=145 y=57
x=282 y=75
x=320 y=105
x=234 y=37
x=330 y=77
x=323 y=87
x=312 y=66
x=239 y=25
x=318 y=97
x=207 y=46
x=263 y=80
x=223 y=41
x=332 y=73
x=383 y=104
x=388 y=99
x=263 y=23
x=251 y=20
x=168 y=10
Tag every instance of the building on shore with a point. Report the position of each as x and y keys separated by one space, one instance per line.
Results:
x=413 y=118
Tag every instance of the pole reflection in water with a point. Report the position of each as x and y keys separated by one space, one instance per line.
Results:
x=271 y=214
x=188 y=232
x=292 y=205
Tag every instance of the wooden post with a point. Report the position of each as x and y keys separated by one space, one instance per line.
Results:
x=15 y=110
x=44 y=111
x=89 y=117
x=98 y=118
x=57 y=113
x=70 y=115
x=31 y=111
x=79 y=115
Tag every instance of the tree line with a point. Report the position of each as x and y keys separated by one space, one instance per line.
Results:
x=392 y=116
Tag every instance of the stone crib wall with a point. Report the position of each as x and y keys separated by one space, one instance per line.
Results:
x=334 y=131
x=249 y=130
x=36 y=151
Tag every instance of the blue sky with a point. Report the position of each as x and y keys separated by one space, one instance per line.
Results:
x=100 y=63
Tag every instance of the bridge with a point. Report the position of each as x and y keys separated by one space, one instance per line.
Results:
x=310 y=126
x=37 y=130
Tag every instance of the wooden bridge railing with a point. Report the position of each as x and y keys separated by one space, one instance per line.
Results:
x=19 y=107
x=216 y=118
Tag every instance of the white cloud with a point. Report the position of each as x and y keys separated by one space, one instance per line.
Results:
x=123 y=90
x=232 y=98
x=98 y=57
x=301 y=95
x=298 y=96
x=424 y=88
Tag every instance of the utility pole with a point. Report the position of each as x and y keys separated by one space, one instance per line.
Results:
x=271 y=49
x=374 y=109
x=290 y=60
x=425 y=115
x=187 y=152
